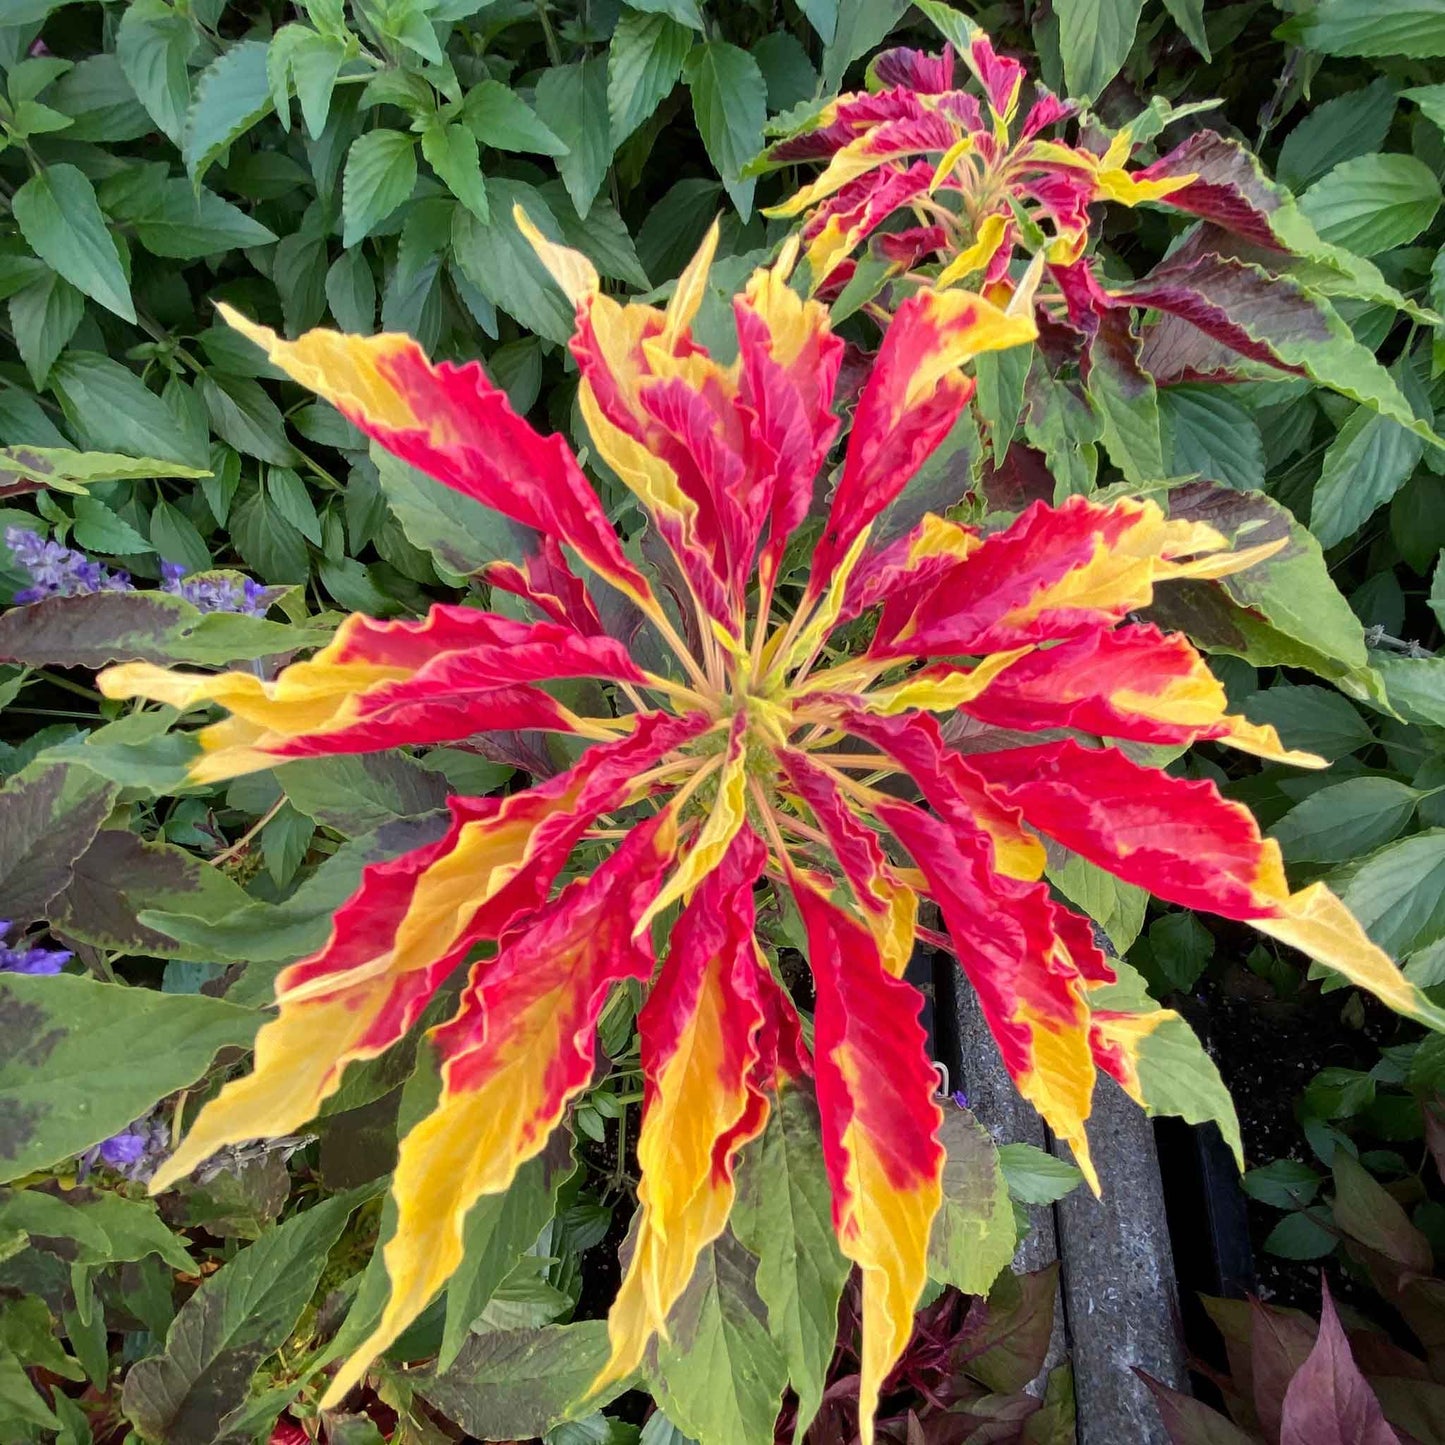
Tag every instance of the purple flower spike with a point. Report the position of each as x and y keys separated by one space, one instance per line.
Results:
x=24 y=959
x=57 y=571
x=215 y=593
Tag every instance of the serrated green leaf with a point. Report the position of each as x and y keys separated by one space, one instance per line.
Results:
x=244 y=417
x=499 y=261
x=357 y=795
x=685 y=12
x=1189 y=17
x=1414 y=28
x=380 y=175
x=974 y=1234
x=98 y=529
x=351 y=292
x=113 y=411
x=1117 y=907
x=451 y=151
x=43 y=318
x=1175 y=1076
x=721 y=1375
x=1373 y=203
x=1353 y=124
x=291 y=499
x=1208 y=432
x=499 y=117
x=572 y=102
x=175 y=538
x=237 y=1317
x=783 y=1215
x=268 y=543
x=730 y=104
x=60 y=219
x=175 y=219
x=644 y=62
x=232 y=94
x=1369 y=461
x=1398 y=892
x=70 y=1074
x=153 y=44
x=1312 y=718
x=1345 y=820
x=851 y=28
x=516 y=1384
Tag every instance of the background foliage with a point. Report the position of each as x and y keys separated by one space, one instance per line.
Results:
x=356 y=165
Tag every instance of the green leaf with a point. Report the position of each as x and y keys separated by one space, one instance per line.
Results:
x=1284 y=610
x=451 y=151
x=1208 y=432
x=357 y=795
x=644 y=62
x=1181 y=947
x=112 y=410
x=70 y=1072
x=1353 y=124
x=1414 y=28
x=1369 y=1214
x=499 y=1229
x=153 y=44
x=1367 y=463
x=153 y=626
x=1415 y=687
x=351 y=292
x=1313 y=718
x=1373 y=203
x=291 y=499
x=1282 y=1184
x=174 y=537
x=1125 y=401
x=1176 y=1076
x=1430 y=99
x=685 y=12
x=1189 y=17
x=1064 y=427
x=270 y=545
x=49 y=812
x=237 y=1317
x=721 y=1376
x=380 y=175
x=783 y=1215
x=43 y=318
x=1398 y=893
x=999 y=400
x=1117 y=907
x=285 y=841
x=1345 y=820
x=500 y=118
x=64 y=470
x=232 y=94
x=98 y=529
x=974 y=1233
x=786 y=68
x=1034 y=1176
x=97 y=95
x=244 y=417
x=119 y=875
x=60 y=219
x=499 y=261
x=175 y=219
x=311 y=63
x=20 y=1401
x=517 y=1384
x=572 y=102
x=857 y=26
x=102 y=1227
x=1437 y=591
x=1095 y=37
x=730 y=104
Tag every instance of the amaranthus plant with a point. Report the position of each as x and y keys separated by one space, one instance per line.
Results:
x=950 y=185
x=759 y=758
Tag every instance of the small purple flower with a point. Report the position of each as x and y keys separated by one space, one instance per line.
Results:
x=960 y=1099
x=134 y=1152
x=58 y=571
x=212 y=593
x=24 y=959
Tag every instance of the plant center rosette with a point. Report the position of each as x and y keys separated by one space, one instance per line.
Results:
x=759 y=757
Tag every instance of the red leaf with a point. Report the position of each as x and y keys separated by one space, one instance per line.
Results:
x=1328 y=1401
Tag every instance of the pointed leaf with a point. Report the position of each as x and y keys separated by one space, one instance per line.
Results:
x=231 y=96
x=730 y=102
x=380 y=175
x=60 y=218
x=572 y=102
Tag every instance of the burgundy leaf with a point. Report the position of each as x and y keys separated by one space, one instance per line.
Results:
x=1229 y=188
x=1328 y=1401
x=1280 y=1343
x=1190 y=1422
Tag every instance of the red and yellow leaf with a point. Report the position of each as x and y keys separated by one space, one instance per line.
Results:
x=880 y=1125
x=518 y=1050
